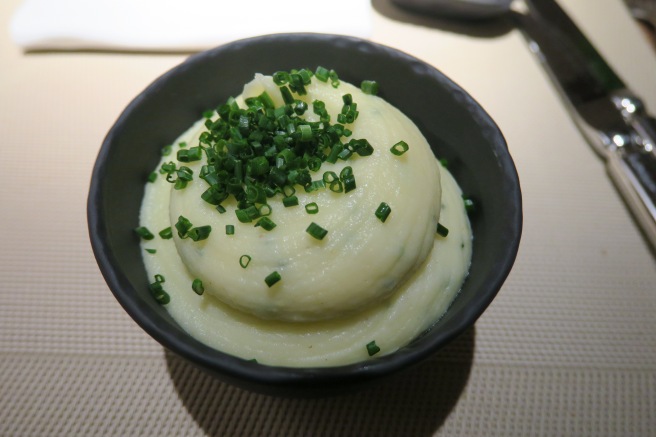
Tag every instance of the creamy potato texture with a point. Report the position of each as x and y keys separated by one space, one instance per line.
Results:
x=366 y=280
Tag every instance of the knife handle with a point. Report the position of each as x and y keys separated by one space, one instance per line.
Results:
x=635 y=177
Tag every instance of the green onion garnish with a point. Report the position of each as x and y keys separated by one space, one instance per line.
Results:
x=152 y=177
x=399 y=148
x=186 y=230
x=314 y=186
x=372 y=348
x=197 y=286
x=290 y=201
x=322 y=74
x=166 y=233
x=152 y=251
x=316 y=231
x=167 y=168
x=334 y=78
x=144 y=233
x=470 y=206
x=272 y=278
x=312 y=208
x=349 y=183
x=442 y=231
x=190 y=155
x=347 y=178
x=369 y=87
x=183 y=226
x=230 y=230
x=244 y=260
x=199 y=233
x=266 y=223
x=157 y=291
x=166 y=150
x=444 y=162
x=185 y=175
x=383 y=211
x=336 y=186
x=253 y=153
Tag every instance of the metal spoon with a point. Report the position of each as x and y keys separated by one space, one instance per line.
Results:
x=611 y=118
x=459 y=9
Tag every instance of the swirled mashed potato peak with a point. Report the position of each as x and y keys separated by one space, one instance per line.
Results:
x=367 y=280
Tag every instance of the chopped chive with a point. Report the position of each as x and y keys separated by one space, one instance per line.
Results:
x=290 y=201
x=190 y=155
x=470 y=206
x=306 y=132
x=266 y=223
x=166 y=150
x=200 y=233
x=329 y=177
x=316 y=231
x=369 y=87
x=242 y=216
x=272 y=278
x=244 y=260
x=144 y=233
x=157 y=290
x=230 y=230
x=280 y=77
x=362 y=147
x=167 y=168
x=372 y=348
x=299 y=108
x=346 y=171
x=264 y=210
x=312 y=208
x=166 y=233
x=158 y=293
x=315 y=186
x=444 y=162
x=442 y=231
x=383 y=211
x=183 y=225
x=399 y=148
x=253 y=152
x=287 y=96
x=334 y=78
x=336 y=186
x=349 y=183
x=197 y=286
x=151 y=251
x=152 y=177
x=322 y=74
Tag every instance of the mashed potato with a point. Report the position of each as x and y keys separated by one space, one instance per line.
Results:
x=367 y=280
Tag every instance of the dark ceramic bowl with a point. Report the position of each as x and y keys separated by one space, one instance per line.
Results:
x=457 y=128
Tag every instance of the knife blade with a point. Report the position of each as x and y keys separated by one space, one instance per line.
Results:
x=611 y=117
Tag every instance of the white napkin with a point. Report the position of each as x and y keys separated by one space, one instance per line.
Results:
x=177 y=25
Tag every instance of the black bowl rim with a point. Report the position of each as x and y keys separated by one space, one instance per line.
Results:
x=242 y=371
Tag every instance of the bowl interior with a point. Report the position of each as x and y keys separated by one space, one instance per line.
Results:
x=457 y=128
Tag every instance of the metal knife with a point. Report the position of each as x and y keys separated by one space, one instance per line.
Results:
x=611 y=118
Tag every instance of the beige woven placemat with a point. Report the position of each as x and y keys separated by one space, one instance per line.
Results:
x=568 y=348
